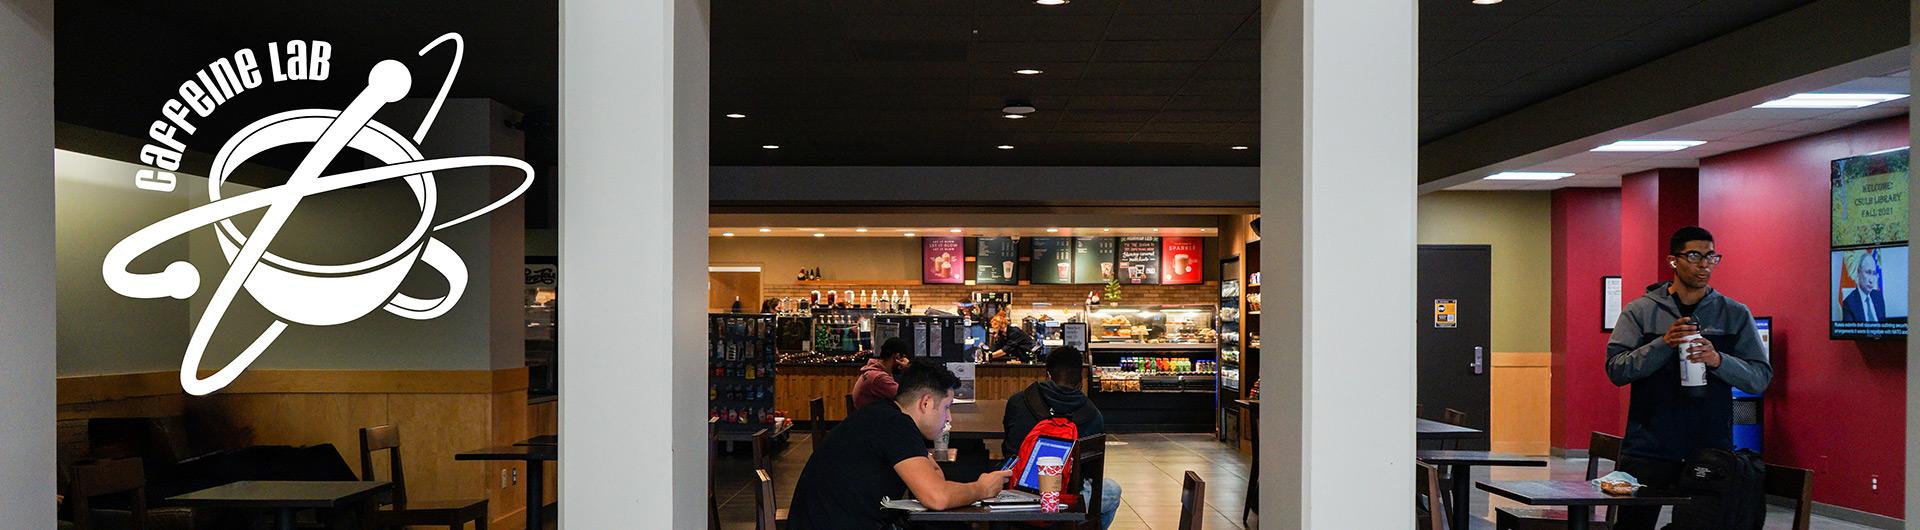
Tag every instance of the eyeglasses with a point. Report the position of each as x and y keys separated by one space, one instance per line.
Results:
x=1696 y=258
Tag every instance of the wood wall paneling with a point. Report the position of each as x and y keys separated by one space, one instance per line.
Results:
x=1521 y=416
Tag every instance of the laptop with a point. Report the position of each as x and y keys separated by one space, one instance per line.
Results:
x=1026 y=487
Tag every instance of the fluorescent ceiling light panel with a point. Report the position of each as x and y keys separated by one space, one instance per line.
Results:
x=1647 y=146
x=1812 y=100
x=1529 y=175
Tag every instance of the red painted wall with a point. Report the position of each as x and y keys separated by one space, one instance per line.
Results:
x=1653 y=205
x=1836 y=407
x=1586 y=247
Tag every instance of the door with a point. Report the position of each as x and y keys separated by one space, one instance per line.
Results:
x=1455 y=295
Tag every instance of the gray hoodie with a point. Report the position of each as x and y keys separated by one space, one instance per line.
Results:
x=1663 y=420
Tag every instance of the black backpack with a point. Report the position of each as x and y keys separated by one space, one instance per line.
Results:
x=1728 y=490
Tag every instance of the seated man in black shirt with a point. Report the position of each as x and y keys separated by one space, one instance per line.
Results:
x=881 y=451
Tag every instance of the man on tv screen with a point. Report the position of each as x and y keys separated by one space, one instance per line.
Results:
x=1867 y=303
x=1681 y=346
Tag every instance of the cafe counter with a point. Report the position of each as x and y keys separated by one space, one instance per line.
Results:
x=798 y=383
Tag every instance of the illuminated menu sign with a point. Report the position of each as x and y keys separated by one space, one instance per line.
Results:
x=997 y=261
x=1139 y=260
x=1052 y=260
x=1093 y=259
x=943 y=260
x=1180 y=260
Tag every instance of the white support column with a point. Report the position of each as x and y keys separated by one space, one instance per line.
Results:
x=1337 y=188
x=633 y=210
x=26 y=263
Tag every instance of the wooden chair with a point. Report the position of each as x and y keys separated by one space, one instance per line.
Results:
x=763 y=464
x=108 y=477
x=1193 y=502
x=1453 y=417
x=818 y=407
x=713 y=500
x=453 y=513
x=1431 y=514
x=1796 y=485
x=1089 y=464
x=765 y=516
x=1600 y=446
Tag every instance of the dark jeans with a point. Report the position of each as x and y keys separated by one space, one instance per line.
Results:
x=1654 y=473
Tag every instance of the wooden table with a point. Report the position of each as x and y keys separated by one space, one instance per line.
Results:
x=978 y=420
x=536 y=457
x=284 y=497
x=544 y=439
x=1578 y=496
x=1425 y=429
x=1066 y=517
x=1460 y=466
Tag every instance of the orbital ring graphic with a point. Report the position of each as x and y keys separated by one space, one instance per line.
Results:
x=314 y=295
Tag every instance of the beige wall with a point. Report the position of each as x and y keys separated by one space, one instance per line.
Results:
x=1518 y=224
x=839 y=258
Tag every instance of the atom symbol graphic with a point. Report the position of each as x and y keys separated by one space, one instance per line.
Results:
x=314 y=295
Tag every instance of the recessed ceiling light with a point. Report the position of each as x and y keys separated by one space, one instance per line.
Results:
x=860 y=230
x=1156 y=230
x=1529 y=175
x=1053 y=230
x=1004 y=146
x=765 y=230
x=1486 y=2
x=955 y=230
x=1106 y=230
x=908 y=234
x=726 y=234
x=1050 y=2
x=1027 y=71
x=817 y=234
x=1240 y=148
x=1647 y=146
x=769 y=146
x=1014 y=116
x=736 y=115
x=1828 y=101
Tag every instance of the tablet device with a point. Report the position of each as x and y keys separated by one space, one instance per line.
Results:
x=1029 y=479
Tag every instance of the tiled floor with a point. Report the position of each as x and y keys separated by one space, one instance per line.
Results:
x=1149 y=468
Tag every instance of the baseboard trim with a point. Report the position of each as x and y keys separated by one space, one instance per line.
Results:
x=1567 y=453
x=1849 y=515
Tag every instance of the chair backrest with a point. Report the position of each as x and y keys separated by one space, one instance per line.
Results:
x=713 y=449
x=1090 y=464
x=818 y=407
x=763 y=504
x=1796 y=485
x=1426 y=483
x=1601 y=446
x=384 y=437
x=108 y=477
x=1454 y=417
x=849 y=406
x=1193 y=502
x=763 y=450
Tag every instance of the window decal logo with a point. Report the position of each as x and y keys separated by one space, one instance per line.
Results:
x=303 y=293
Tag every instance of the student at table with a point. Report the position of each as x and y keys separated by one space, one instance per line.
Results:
x=876 y=382
x=1666 y=422
x=881 y=451
x=1060 y=396
x=1007 y=343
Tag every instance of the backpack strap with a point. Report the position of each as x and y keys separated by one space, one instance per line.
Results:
x=1037 y=404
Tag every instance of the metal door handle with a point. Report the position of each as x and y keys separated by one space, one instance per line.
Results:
x=1479 y=361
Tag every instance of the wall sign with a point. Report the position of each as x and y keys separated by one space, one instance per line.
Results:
x=1609 y=302
x=943 y=260
x=1140 y=260
x=1446 y=313
x=296 y=292
x=1093 y=259
x=1180 y=260
x=1052 y=260
x=997 y=261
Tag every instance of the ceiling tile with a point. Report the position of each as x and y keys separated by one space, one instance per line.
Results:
x=1243 y=7
x=1812 y=126
x=1764 y=137
x=1039 y=28
x=1161 y=50
x=1118 y=103
x=1245 y=103
x=1173 y=26
x=906 y=28
x=1140 y=70
x=1579 y=28
x=1126 y=87
x=1503 y=51
x=1021 y=52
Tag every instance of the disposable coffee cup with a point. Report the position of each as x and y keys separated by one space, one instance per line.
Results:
x=1051 y=469
x=1691 y=373
x=940 y=445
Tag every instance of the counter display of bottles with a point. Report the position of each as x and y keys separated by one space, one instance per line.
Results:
x=1146 y=372
x=740 y=372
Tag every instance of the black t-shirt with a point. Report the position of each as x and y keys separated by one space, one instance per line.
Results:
x=1017 y=344
x=852 y=469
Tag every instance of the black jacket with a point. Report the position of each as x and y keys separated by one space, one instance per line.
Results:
x=1015 y=342
x=1058 y=401
x=1663 y=421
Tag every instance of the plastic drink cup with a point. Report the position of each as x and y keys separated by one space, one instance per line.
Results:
x=1691 y=373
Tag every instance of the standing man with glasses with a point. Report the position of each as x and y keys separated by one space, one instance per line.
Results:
x=1678 y=321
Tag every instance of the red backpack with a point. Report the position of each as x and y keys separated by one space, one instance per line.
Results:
x=1053 y=426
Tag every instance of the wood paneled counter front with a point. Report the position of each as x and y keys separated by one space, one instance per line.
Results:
x=795 y=384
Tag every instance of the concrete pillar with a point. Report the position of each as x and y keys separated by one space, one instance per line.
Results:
x=1337 y=186
x=633 y=250
x=26 y=263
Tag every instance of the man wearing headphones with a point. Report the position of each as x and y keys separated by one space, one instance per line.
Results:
x=1677 y=322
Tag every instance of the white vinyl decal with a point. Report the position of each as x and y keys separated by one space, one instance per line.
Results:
x=314 y=295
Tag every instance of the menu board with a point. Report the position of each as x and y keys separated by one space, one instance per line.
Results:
x=1093 y=259
x=997 y=260
x=1052 y=260
x=943 y=260
x=1180 y=260
x=1140 y=260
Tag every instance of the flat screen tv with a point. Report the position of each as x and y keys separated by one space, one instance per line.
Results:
x=1868 y=262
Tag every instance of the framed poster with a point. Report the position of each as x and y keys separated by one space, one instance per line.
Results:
x=1140 y=260
x=997 y=260
x=1180 y=260
x=943 y=260
x=1093 y=259
x=1052 y=260
x=1609 y=302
